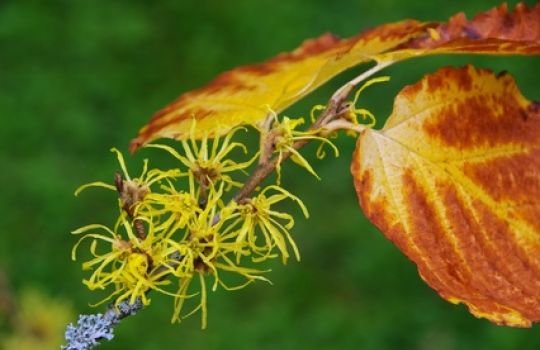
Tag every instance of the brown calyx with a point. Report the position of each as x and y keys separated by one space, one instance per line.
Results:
x=131 y=193
x=198 y=262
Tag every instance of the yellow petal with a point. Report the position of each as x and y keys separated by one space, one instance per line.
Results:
x=94 y=184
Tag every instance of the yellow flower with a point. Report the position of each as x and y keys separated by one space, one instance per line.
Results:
x=171 y=209
x=206 y=162
x=259 y=219
x=283 y=135
x=132 y=191
x=349 y=119
x=132 y=265
x=204 y=250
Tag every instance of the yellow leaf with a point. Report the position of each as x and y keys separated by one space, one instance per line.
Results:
x=246 y=95
x=453 y=179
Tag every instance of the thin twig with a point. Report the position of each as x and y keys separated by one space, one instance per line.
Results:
x=354 y=82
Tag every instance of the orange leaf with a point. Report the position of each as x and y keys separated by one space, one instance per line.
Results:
x=520 y=27
x=246 y=94
x=453 y=180
x=496 y=31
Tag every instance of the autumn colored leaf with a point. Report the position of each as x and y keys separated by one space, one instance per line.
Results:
x=453 y=180
x=247 y=94
x=497 y=32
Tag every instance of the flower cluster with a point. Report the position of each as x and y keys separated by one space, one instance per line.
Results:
x=178 y=228
x=175 y=229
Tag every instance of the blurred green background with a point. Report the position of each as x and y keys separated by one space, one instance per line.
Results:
x=78 y=77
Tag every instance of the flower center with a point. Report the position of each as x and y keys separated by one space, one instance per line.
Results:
x=137 y=264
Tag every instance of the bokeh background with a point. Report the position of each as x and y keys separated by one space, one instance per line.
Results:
x=78 y=77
